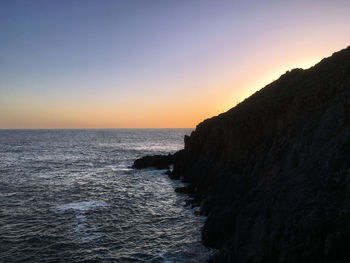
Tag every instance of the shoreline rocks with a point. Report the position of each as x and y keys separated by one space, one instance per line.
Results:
x=154 y=161
x=272 y=174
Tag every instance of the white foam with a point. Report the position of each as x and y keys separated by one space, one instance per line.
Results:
x=120 y=168
x=83 y=230
x=7 y=194
x=90 y=237
x=82 y=206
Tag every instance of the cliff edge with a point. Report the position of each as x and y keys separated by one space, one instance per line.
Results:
x=273 y=173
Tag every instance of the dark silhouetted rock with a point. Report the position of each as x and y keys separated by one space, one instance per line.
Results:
x=191 y=203
x=185 y=190
x=172 y=175
x=272 y=175
x=154 y=161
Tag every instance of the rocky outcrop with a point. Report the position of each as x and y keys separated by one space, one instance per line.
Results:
x=272 y=175
x=154 y=161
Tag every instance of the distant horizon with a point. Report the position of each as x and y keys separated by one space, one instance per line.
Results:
x=125 y=128
x=10 y=129
x=140 y=128
x=78 y=64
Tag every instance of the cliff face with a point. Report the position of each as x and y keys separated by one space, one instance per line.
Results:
x=273 y=173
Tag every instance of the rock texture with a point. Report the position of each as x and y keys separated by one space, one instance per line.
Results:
x=154 y=161
x=273 y=173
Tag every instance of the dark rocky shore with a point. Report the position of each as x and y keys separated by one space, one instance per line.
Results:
x=272 y=175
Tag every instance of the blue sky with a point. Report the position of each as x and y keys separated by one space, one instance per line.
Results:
x=152 y=63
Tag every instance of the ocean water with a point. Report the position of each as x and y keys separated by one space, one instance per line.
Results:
x=71 y=196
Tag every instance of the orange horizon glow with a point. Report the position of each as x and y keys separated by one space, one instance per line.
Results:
x=165 y=114
x=167 y=70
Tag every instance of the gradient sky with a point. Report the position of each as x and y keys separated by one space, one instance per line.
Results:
x=128 y=64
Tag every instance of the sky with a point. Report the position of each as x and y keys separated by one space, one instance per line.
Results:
x=152 y=63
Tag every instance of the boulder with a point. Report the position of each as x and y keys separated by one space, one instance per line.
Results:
x=154 y=161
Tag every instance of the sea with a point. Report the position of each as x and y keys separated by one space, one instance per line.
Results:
x=72 y=196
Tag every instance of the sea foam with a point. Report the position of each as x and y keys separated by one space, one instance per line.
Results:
x=82 y=206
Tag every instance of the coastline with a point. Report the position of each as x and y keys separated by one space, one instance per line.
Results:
x=271 y=174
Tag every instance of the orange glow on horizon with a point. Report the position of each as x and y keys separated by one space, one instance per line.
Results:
x=182 y=112
x=153 y=65
x=181 y=108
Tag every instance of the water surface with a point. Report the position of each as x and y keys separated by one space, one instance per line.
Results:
x=70 y=196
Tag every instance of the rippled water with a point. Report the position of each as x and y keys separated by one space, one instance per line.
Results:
x=70 y=196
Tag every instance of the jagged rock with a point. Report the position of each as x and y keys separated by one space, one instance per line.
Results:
x=173 y=175
x=184 y=190
x=154 y=161
x=272 y=174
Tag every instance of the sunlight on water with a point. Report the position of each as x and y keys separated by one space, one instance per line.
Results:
x=81 y=206
x=71 y=196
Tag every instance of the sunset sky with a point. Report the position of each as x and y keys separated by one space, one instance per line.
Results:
x=150 y=64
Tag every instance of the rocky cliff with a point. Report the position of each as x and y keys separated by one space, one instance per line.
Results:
x=273 y=173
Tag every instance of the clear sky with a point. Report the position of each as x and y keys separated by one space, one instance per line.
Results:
x=152 y=63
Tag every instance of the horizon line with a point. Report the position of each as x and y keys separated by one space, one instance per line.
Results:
x=2 y=129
